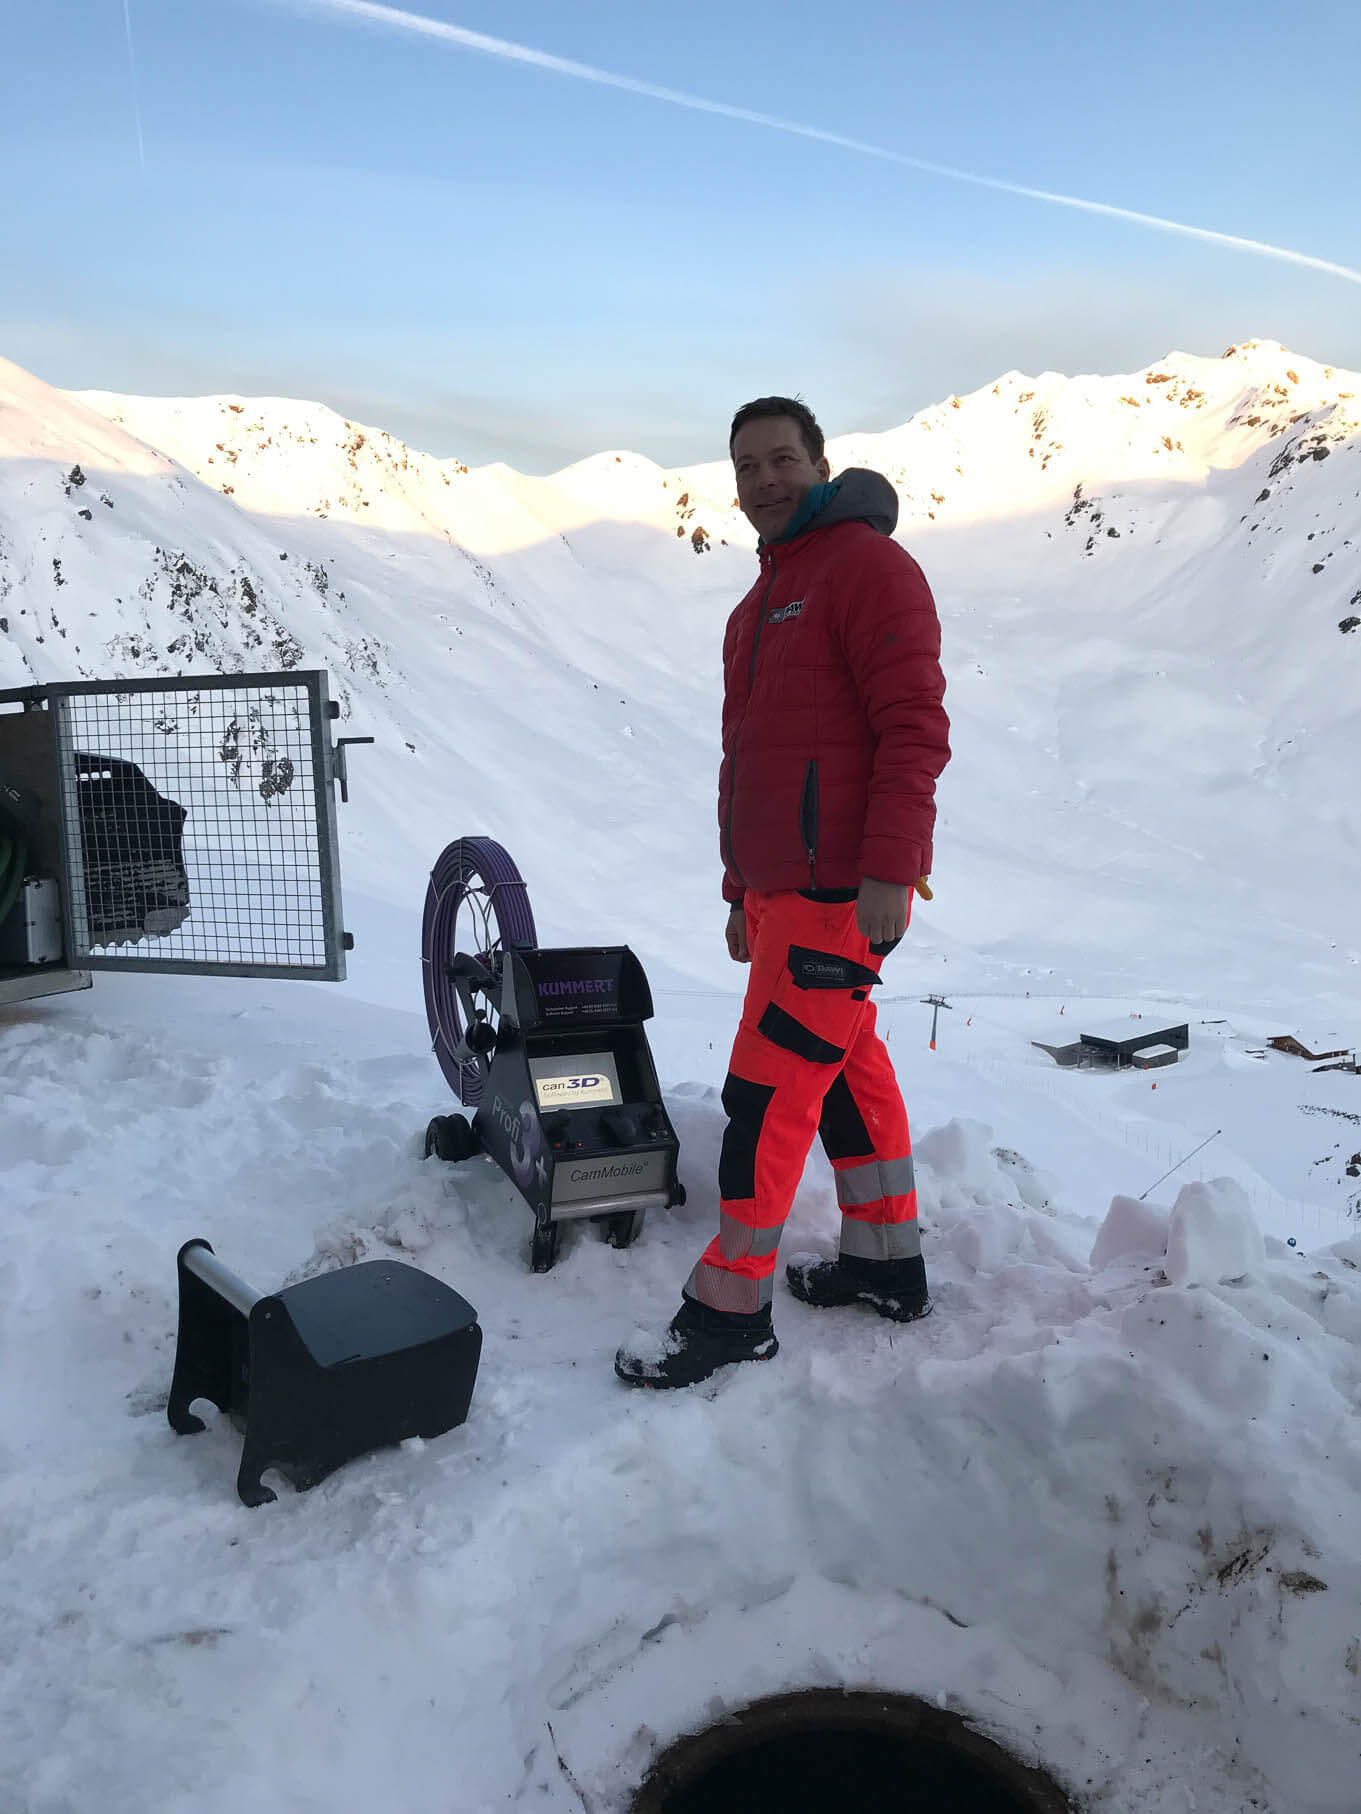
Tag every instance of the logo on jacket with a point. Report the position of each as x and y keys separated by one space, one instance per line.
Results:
x=784 y=612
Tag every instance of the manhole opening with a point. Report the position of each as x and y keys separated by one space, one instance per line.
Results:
x=822 y=1752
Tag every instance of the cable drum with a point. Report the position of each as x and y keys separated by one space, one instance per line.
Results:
x=476 y=898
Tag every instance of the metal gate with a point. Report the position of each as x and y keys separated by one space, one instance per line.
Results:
x=198 y=824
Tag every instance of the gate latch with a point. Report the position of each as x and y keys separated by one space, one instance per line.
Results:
x=339 y=770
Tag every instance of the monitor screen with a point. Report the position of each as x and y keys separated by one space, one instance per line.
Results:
x=575 y=985
x=576 y=1081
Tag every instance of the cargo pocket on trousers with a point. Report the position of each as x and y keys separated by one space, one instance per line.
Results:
x=816 y=1004
x=792 y=1035
x=809 y=969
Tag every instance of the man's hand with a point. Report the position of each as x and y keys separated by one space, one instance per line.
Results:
x=881 y=910
x=738 y=949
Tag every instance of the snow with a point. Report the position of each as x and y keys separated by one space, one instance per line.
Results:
x=1132 y=1230
x=1103 y=1501
x=1212 y=1236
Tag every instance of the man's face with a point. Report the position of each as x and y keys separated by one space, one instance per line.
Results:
x=774 y=473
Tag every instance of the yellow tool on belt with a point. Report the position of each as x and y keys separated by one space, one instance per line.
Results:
x=924 y=889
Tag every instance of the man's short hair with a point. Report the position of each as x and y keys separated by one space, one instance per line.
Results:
x=809 y=432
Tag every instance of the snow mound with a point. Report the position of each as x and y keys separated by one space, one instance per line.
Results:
x=1132 y=1230
x=1212 y=1235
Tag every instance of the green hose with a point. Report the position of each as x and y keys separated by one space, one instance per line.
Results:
x=13 y=861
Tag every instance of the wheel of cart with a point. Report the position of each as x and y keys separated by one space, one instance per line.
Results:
x=548 y=1048
x=450 y=1137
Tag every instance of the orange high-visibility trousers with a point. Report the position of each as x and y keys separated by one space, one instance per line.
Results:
x=807 y=1061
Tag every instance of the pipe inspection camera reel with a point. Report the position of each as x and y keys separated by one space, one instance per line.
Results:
x=547 y=1046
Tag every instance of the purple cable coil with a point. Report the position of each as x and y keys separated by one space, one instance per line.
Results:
x=462 y=867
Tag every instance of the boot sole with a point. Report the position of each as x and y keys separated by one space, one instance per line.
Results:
x=877 y=1305
x=772 y=1348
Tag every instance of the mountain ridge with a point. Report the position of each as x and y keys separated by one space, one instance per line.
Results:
x=1141 y=579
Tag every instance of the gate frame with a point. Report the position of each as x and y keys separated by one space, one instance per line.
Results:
x=328 y=772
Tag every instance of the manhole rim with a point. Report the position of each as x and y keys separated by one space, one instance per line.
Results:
x=880 y=1712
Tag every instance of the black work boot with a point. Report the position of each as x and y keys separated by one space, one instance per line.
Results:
x=697 y=1343
x=895 y=1288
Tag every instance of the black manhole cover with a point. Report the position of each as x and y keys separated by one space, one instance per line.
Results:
x=824 y=1751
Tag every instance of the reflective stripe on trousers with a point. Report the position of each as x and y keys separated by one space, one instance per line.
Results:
x=806 y=1061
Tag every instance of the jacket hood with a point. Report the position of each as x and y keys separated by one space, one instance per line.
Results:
x=858 y=496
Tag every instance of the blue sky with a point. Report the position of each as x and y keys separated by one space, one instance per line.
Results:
x=499 y=261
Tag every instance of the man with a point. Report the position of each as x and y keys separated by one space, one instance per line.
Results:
x=833 y=737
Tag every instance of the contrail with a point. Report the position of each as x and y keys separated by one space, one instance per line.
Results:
x=132 y=71
x=397 y=20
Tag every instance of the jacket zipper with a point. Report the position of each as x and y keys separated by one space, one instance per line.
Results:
x=808 y=818
x=737 y=734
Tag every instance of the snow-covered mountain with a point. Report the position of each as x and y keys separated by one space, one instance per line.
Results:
x=1150 y=587
x=1100 y=1507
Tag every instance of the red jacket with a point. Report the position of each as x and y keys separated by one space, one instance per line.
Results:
x=833 y=727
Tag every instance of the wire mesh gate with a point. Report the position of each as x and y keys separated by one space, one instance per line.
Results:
x=198 y=824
